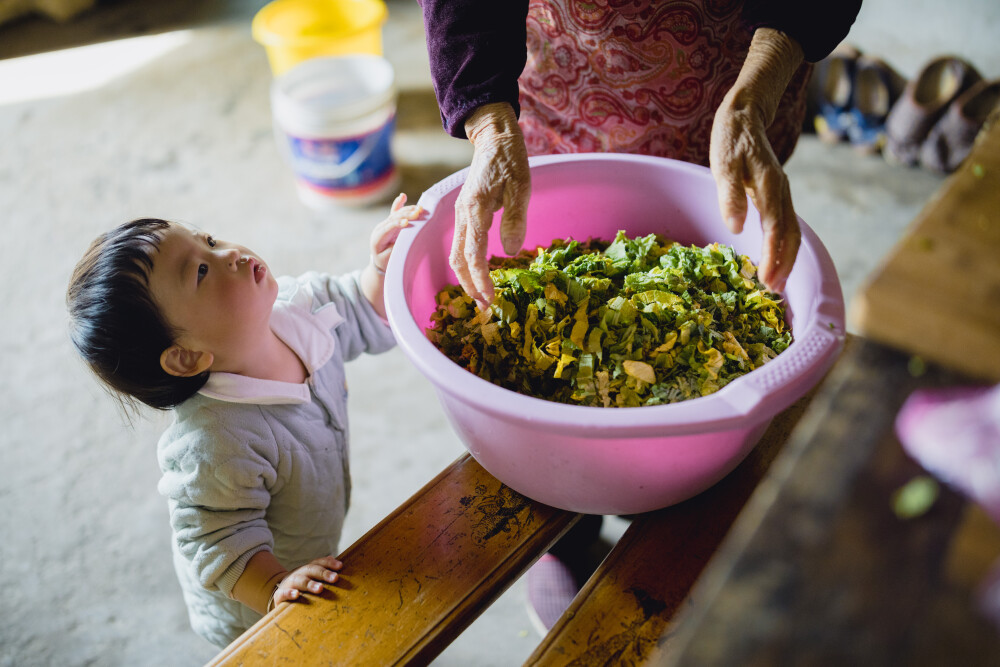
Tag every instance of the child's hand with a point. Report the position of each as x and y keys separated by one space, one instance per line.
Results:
x=386 y=232
x=307 y=579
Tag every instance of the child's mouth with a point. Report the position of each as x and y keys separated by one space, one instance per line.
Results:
x=258 y=271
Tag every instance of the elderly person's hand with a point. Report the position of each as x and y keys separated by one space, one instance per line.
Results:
x=498 y=177
x=742 y=160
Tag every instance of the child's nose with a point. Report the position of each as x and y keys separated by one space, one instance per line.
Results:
x=233 y=258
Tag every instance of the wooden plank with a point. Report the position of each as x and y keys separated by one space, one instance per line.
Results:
x=938 y=292
x=819 y=570
x=625 y=612
x=415 y=581
x=975 y=549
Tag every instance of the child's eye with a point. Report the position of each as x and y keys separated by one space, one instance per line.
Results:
x=202 y=271
x=211 y=241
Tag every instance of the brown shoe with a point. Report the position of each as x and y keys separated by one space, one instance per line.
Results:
x=951 y=139
x=923 y=102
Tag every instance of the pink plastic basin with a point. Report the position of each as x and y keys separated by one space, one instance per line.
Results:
x=612 y=460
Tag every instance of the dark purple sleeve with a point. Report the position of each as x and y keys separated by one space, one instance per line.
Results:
x=817 y=27
x=477 y=51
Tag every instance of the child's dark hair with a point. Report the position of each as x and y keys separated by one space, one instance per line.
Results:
x=114 y=323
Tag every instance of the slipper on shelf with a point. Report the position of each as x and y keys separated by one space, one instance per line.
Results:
x=832 y=89
x=924 y=100
x=950 y=140
x=877 y=86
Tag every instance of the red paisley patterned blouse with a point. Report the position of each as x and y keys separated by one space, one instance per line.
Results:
x=638 y=76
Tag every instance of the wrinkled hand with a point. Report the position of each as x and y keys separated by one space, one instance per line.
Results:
x=743 y=163
x=307 y=579
x=385 y=233
x=742 y=160
x=499 y=176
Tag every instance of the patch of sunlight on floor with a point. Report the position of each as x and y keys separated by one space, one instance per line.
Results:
x=82 y=68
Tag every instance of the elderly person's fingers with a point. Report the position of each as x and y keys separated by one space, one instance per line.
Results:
x=782 y=235
x=498 y=176
x=474 y=254
x=456 y=258
x=743 y=163
x=514 y=223
x=732 y=197
x=729 y=173
x=741 y=155
x=474 y=208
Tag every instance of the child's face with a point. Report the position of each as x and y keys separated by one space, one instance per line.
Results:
x=218 y=294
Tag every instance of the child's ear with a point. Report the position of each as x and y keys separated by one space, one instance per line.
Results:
x=185 y=363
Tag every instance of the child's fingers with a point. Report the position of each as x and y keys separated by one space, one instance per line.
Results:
x=386 y=233
x=411 y=212
x=285 y=595
x=315 y=573
x=398 y=202
x=388 y=239
x=309 y=578
x=396 y=220
x=402 y=217
x=329 y=562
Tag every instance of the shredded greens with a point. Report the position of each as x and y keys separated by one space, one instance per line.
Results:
x=639 y=321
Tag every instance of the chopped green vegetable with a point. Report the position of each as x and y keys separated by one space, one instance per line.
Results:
x=638 y=321
x=916 y=366
x=914 y=498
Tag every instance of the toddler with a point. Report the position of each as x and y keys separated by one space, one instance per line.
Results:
x=255 y=464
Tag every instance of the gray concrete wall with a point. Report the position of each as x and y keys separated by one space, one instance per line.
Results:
x=908 y=33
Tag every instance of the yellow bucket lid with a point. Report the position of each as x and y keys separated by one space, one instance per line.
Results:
x=287 y=22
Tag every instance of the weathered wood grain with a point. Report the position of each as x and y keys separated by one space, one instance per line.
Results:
x=626 y=612
x=820 y=570
x=415 y=581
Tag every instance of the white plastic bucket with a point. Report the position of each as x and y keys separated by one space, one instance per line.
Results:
x=333 y=119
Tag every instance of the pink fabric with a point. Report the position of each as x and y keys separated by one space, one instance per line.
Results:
x=551 y=589
x=639 y=76
x=954 y=434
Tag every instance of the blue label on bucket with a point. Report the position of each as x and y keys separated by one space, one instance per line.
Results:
x=344 y=163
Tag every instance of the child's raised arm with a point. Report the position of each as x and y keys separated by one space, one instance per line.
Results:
x=383 y=239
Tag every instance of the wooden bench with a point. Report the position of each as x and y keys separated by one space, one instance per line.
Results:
x=626 y=612
x=415 y=581
x=423 y=574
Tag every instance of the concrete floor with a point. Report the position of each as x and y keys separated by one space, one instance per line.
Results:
x=183 y=131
